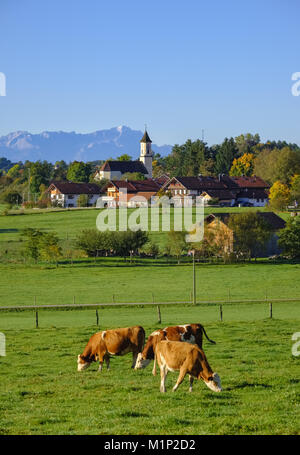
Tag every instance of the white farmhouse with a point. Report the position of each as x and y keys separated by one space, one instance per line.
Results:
x=66 y=194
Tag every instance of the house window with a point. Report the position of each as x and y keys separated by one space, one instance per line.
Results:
x=71 y=196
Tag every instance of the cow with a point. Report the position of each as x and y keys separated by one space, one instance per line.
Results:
x=191 y=333
x=188 y=359
x=117 y=342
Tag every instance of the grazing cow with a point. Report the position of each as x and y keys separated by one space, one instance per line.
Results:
x=191 y=333
x=102 y=345
x=188 y=359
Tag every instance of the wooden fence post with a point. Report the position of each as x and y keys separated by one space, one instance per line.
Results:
x=221 y=313
x=271 y=310
x=159 y=315
x=36 y=320
x=97 y=318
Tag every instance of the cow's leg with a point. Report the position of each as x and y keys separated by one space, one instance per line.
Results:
x=134 y=357
x=101 y=358
x=107 y=359
x=181 y=377
x=163 y=375
x=154 y=366
x=191 y=382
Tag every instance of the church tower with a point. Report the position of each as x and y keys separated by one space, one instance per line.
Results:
x=146 y=155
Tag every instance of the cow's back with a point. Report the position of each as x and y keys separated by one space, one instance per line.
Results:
x=118 y=341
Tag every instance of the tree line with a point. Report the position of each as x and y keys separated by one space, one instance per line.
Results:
x=276 y=162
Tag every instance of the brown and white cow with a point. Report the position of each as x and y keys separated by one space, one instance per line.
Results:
x=191 y=333
x=188 y=359
x=117 y=342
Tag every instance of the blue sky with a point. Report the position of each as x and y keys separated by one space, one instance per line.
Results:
x=178 y=66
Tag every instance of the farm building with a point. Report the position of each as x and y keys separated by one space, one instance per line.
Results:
x=217 y=223
x=66 y=194
x=127 y=190
x=227 y=190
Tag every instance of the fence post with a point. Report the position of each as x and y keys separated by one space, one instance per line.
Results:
x=36 y=320
x=221 y=313
x=159 y=315
x=97 y=318
x=271 y=310
x=113 y=298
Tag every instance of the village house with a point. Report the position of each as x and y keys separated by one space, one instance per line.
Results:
x=126 y=190
x=116 y=169
x=228 y=191
x=66 y=194
x=217 y=224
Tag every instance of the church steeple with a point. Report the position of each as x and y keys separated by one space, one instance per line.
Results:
x=146 y=154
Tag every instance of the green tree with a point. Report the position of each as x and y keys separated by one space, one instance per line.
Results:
x=289 y=238
x=247 y=142
x=225 y=156
x=250 y=233
x=14 y=171
x=49 y=248
x=176 y=244
x=124 y=157
x=40 y=173
x=82 y=200
x=79 y=172
x=133 y=176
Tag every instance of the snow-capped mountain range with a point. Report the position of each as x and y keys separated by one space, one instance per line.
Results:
x=69 y=146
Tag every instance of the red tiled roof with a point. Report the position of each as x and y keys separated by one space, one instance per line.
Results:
x=134 y=186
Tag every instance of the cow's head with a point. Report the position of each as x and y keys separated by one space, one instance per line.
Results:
x=82 y=363
x=214 y=382
x=141 y=362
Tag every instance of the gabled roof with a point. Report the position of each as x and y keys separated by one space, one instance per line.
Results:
x=162 y=180
x=145 y=138
x=135 y=186
x=75 y=188
x=250 y=182
x=124 y=166
x=275 y=221
x=198 y=183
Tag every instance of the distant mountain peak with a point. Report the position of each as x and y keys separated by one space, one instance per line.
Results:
x=69 y=146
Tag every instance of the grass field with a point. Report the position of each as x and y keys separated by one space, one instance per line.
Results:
x=121 y=282
x=42 y=393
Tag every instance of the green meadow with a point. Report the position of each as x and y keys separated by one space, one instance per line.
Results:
x=42 y=392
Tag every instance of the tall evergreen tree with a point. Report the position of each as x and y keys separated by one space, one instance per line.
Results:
x=225 y=156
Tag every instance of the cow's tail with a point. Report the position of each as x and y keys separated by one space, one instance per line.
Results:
x=206 y=336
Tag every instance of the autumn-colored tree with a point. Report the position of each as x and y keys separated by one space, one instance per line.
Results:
x=280 y=195
x=243 y=165
x=295 y=188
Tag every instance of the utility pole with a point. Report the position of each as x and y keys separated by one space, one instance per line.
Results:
x=194 y=279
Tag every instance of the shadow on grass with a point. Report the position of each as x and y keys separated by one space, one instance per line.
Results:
x=246 y=384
